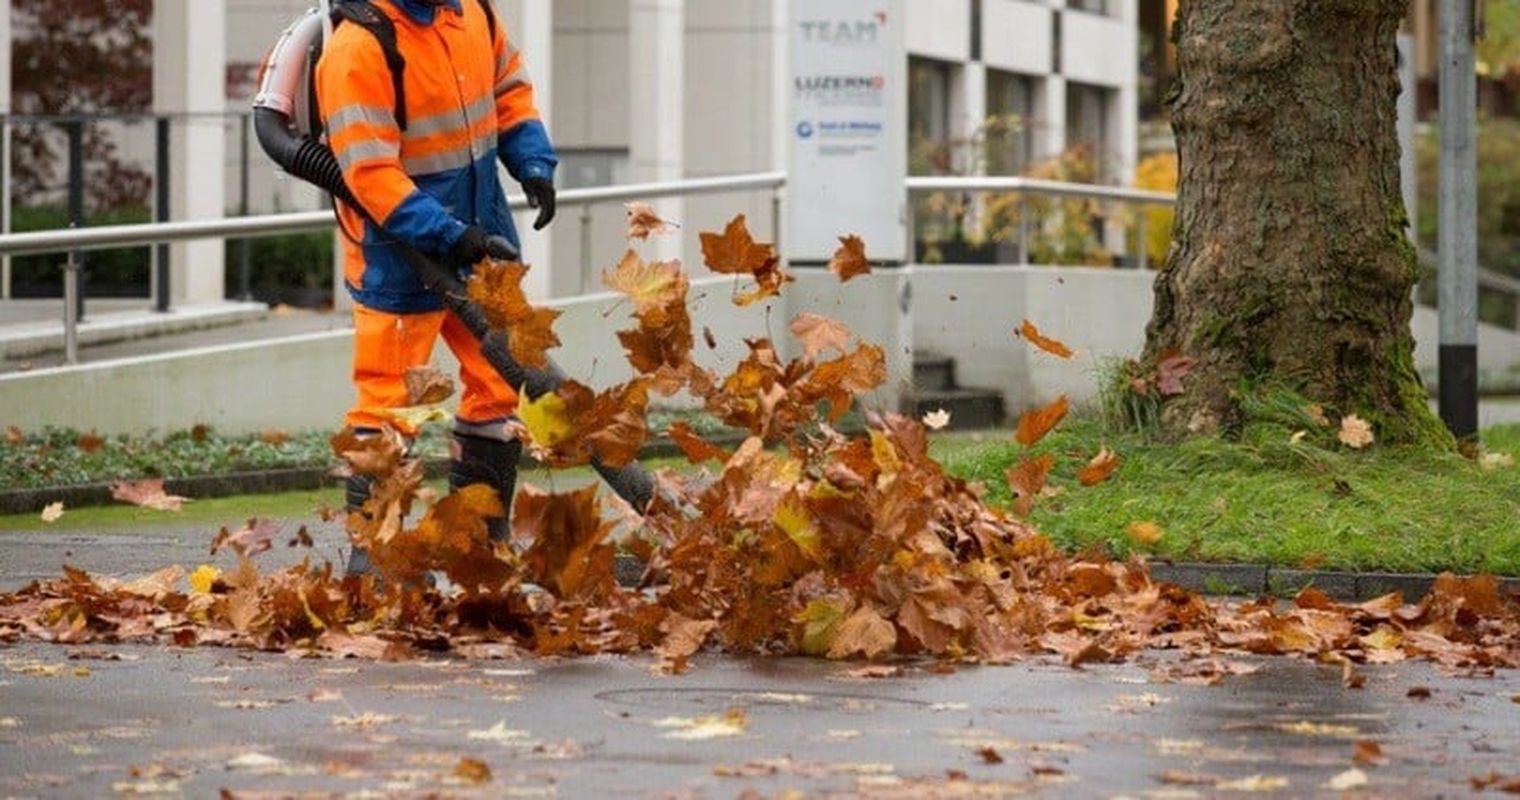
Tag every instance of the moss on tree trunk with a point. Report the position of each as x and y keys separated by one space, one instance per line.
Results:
x=1291 y=262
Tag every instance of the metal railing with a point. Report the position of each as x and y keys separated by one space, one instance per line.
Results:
x=79 y=240
x=1045 y=188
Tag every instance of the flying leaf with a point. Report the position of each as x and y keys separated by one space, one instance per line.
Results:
x=735 y=252
x=1099 y=469
x=651 y=285
x=1027 y=480
x=427 y=385
x=818 y=333
x=1036 y=423
x=496 y=286
x=53 y=512
x=1032 y=335
x=256 y=536
x=643 y=222
x=849 y=260
x=1145 y=533
x=937 y=420
x=417 y=416
x=148 y=494
x=696 y=448
x=1356 y=433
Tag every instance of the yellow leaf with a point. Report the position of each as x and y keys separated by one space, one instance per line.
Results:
x=416 y=416
x=884 y=453
x=1145 y=533
x=795 y=522
x=545 y=418
x=202 y=579
x=53 y=512
x=937 y=420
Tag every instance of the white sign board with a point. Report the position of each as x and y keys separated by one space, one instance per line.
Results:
x=849 y=120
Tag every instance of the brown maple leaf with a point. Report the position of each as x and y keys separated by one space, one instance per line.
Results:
x=1036 y=423
x=1054 y=347
x=427 y=386
x=696 y=448
x=148 y=494
x=735 y=252
x=643 y=222
x=496 y=286
x=1099 y=469
x=652 y=286
x=569 y=554
x=818 y=333
x=89 y=442
x=1027 y=480
x=849 y=260
x=256 y=536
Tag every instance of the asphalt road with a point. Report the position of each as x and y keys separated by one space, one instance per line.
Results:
x=76 y=722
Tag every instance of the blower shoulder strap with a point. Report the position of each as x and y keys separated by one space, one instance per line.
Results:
x=364 y=14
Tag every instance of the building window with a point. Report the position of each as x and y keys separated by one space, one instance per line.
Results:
x=1010 y=122
x=1104 y=7
x=928 y=116
x=1088 y=127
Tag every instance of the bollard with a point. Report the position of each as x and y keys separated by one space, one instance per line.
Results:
x=161 y=213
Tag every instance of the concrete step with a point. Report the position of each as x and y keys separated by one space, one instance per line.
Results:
x=34 y=338
x=933 y=372
x=970 y=409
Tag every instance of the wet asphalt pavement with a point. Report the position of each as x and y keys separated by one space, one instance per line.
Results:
x=195 y=722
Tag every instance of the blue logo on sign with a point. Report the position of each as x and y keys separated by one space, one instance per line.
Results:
x=805 y=130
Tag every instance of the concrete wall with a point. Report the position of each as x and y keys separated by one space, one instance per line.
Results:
x=970 y=313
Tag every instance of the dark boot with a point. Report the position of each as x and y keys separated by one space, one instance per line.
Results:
x=492 y=462
x=358 y=492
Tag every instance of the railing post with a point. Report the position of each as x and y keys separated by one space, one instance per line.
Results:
x=245 y=246
x=776 y=221
x=585 y=248
x=5 y=202
x=1023 y=210
x=71 y=304
x=1142 y=245
x=76 y=212
x=161 y=213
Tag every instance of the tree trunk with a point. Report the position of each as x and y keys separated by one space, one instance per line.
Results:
x=1290 y=262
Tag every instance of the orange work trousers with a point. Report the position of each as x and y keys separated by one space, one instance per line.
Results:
x=387 y=344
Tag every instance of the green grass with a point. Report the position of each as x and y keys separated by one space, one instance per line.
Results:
x=210 y=514
x=1266 y=500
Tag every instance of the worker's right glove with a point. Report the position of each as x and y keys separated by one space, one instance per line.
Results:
x=475 y=246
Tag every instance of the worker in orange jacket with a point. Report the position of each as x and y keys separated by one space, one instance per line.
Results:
x=430 y=180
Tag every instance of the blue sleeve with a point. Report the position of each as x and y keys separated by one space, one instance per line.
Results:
x=422 y=222
x=527 y=152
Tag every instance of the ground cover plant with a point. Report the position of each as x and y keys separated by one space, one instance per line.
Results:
x=801 y=540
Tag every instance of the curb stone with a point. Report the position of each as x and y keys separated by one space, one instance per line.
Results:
x=1263 y=580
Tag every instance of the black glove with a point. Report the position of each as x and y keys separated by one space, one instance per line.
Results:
x=540 y=192
x=476 y=245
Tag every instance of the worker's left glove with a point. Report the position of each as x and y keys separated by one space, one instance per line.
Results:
x=540 y=192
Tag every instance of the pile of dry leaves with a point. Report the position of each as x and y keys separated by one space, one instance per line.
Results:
x=802 y=540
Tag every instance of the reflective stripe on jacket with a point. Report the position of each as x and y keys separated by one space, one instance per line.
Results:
x=468 y=102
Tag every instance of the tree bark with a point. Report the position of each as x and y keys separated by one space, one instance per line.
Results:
x=1290 y=261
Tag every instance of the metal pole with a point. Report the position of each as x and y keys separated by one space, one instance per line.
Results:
x=161 y=214
x=776 y=222
x=76 y=217
x=5 y=203
x=1143 y=254
x=1458 y=258
x=1023 y=209
x=585 y=248
x=245 y=247
x=71 y=302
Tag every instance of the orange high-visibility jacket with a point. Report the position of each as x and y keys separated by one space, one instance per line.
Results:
x=468 y=102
